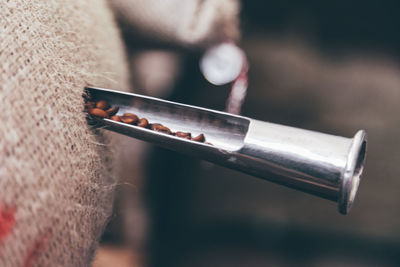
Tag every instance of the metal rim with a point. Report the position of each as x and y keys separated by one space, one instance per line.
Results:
x=353 y=171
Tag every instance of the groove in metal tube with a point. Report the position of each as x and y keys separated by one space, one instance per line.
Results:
x=321 y=164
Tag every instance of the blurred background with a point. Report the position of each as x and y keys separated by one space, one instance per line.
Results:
x=326 y=66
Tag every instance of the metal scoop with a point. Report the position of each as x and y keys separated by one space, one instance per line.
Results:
x=320 y=164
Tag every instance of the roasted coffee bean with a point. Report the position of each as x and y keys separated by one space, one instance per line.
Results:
x=153 y=126
x=115 y=118
x=143 y=122
x=103 y=110
x=131 y=115
x=102 y=104
x=129 y=119
x=183 y=134
x=162 y=129
x=199 y=138
x=98 y=112
x=112 y=111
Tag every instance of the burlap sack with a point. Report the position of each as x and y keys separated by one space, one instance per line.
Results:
x=55 y=182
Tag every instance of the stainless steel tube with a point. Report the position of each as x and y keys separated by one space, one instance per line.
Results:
x=324 y=165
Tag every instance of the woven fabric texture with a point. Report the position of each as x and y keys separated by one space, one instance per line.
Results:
x=56 y=181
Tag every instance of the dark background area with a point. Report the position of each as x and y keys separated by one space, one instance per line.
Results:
x=333 y=25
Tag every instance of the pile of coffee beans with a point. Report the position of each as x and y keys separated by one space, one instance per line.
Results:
x=103 y=110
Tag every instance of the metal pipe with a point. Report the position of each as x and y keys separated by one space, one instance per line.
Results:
x=320 y=164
